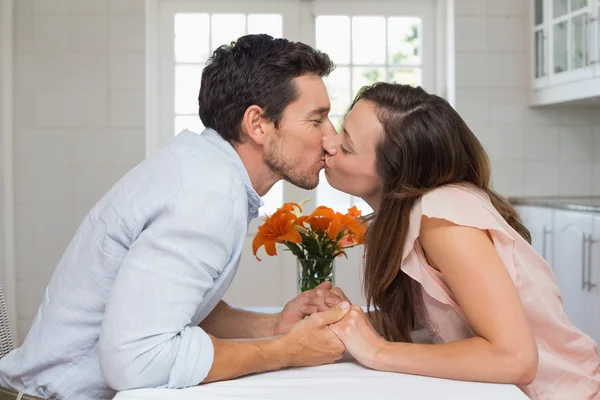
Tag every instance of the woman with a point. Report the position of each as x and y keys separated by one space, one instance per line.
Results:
x=445 y=249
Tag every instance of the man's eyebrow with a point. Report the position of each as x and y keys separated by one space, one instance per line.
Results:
x=345 y=132
x=320 y=110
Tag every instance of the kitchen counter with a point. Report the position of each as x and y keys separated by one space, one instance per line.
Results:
x=589 y=203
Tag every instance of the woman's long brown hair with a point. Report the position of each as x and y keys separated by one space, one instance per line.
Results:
x=426 y=145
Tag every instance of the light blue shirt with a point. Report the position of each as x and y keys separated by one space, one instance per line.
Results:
x=148 y=263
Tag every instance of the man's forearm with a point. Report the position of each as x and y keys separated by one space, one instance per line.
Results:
x=226 y=322
x=233 y=359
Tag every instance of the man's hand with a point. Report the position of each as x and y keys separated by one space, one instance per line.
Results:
x=311 y=342
x=320 y=299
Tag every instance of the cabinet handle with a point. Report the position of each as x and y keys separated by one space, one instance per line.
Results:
x=590 y=285
x=544 y=242
x=583 y=281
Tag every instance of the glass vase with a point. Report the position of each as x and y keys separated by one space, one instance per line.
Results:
x=313 y=272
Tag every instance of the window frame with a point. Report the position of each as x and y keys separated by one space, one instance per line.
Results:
x=299 y=18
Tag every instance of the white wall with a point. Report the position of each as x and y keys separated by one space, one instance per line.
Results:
x=549 y=151
x=79 y=123
x=79 y=117
x=3 y=134
x=7 y=259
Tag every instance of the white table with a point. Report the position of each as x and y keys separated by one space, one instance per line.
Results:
x=346 y=380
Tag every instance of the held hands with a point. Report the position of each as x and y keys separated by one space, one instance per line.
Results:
x=311 y=342
x=352 y=329
x=320 y=299
x=360 y=338
x=355 y=330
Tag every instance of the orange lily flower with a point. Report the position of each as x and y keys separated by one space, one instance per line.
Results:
x=287 y=223
x=319 y=219
x=353 y=212
x=278 y=228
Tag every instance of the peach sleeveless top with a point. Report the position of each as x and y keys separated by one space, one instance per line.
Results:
x=569 y=366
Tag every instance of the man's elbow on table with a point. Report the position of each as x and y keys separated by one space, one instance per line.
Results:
x=117 y=366
x=172 y=361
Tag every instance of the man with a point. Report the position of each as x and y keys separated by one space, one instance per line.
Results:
x=135 y=299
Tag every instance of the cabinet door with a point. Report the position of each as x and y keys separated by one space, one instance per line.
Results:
x=596 y=38
x=593 y=284
x=539 y=221
x=570 y=37
x=540 y=43
x=571 y=231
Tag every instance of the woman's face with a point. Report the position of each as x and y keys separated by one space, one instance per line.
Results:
x=353 y=168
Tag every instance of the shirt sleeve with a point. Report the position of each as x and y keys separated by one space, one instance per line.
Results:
x=146 y=339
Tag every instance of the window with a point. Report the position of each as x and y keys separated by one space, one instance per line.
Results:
x=368 y=41
x=196 y=36
x=365 y=49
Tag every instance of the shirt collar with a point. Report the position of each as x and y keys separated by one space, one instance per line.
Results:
x=254 y=200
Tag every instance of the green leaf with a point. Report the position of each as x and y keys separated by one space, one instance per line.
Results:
x=295 y=249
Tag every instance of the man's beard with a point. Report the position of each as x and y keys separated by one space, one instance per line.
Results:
x=286 y=169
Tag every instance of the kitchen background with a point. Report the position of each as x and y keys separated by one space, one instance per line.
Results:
x=84 y=99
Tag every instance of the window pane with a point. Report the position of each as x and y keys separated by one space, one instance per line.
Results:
x=560 y=47
x=560 y=8
x=407 y=76
x=368 y=40
x=338 y=88
x=271 y=24
x=187 y=86
x=362 y=76
x=191 y=37
x=578 y=4
x=404 y=40
x=273 y=199
x=578 y=42
x=539 y=12
x=191 y=122
x=330 y=197
x=226 y=28
x=333 y=37
x=539 y=54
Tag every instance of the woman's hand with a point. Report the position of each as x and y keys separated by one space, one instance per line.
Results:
x=324 y=298
x=359 y=337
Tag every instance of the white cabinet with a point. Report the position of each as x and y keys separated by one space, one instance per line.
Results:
x=539 y=221
x=572 y=232
x=571 y=240
x=565 y=49
x=592 y=279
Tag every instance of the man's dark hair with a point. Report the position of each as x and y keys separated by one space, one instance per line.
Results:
x=255 y=69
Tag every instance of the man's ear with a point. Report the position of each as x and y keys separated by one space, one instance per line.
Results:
x=255 y=125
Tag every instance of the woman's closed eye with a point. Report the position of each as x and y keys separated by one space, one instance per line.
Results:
x=344 y=149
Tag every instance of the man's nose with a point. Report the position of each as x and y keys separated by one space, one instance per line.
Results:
x=329 y=140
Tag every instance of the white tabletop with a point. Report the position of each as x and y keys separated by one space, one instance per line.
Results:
x=346 y=380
